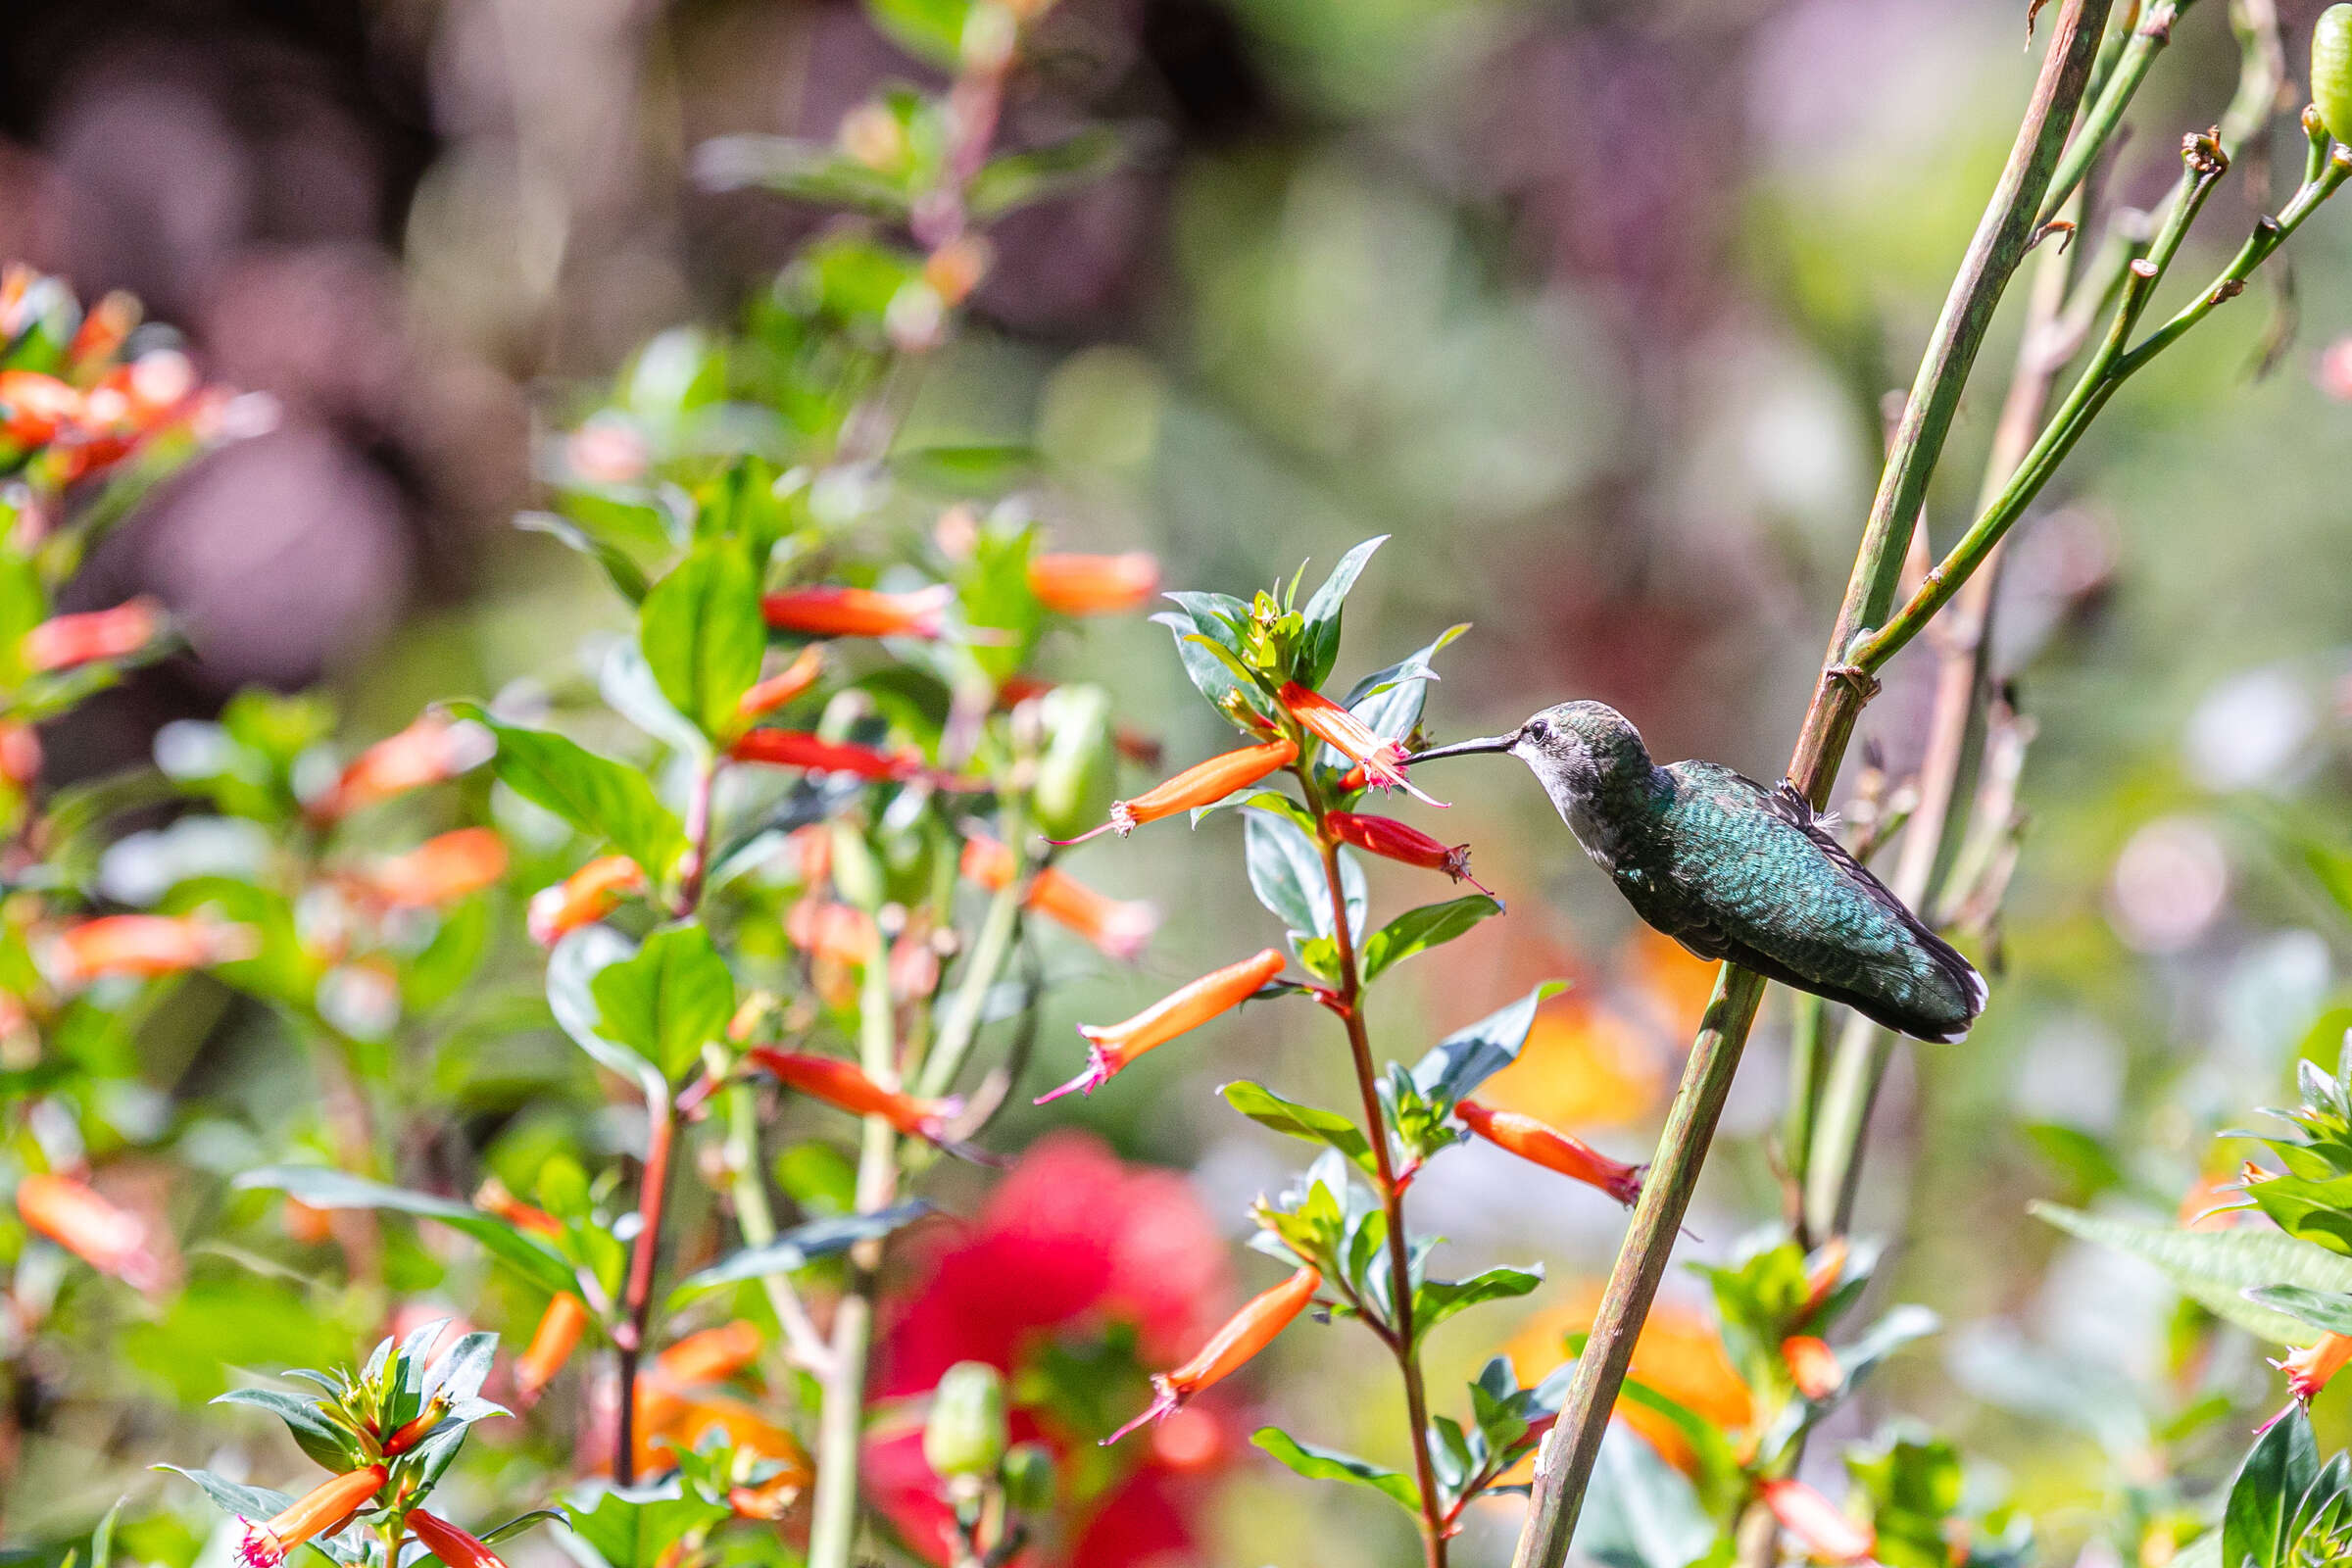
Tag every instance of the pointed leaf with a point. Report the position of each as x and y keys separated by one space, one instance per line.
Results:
x=1320 y=647
x=2277 y=1473
x=1328 y=1464
x=669 y=1000
x=1019 y=178
x=1389 y=701
x=1455 y=1067
x=1311 y=1122
x=636 y=1529
x=594 y=794
x=1286 y=872
x=2214 y=1267
x=321 y=1188
x=572 y=971
x=799 y=1247
x=1640 y=1512
x=1432 y=925
x=2328 y=1311
x=234 y=1497
x=1438 y=1299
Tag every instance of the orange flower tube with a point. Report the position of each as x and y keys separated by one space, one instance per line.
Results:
x=787 y=683
x=836 y=933
x=1542 y=1145
x=456 y=1548
x=441 y=871
x=1826 y=1531
x=2308 y=1369
x=710 y=1354
x=320 y=1511
x=787 y=748
x=1093 y=585
x=1812 y=1366
x=34 y=408
x=843 y=1084
x=1120 y=927
x=552 y=1344
x=1245 y=1334
x=582 y=898
x=1343 y=732
x=63 y=642
x=71 y=1213
x=859 y=611
x=427 y=751
x=1403 y=841
x=1111 y=1047
x=1203 y=784
x=144 y=945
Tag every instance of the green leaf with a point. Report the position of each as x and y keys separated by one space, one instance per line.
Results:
x=234 y=1497
x=1719 y=1474
x=805 y=170
x=321 y=1440
x=599 y=796
x=2278 y=1471
x=798 y=1247
x=1432 y=925
x=703 y=634
x=1286 y=872
x=671 y=1000
x=620 y=569
x=930 y=28
x=2214 y=1267
x=636 y=1529
x=1319 y=645
x=1019 y=178
x=1328 y=1464
x=572 y=971
x=1309 y=1122
x=1389 y=701
x=1466 y=1058
x=321 y=1188
x=1640 y=1512
x=1438 y=1299
x=2328 y=1311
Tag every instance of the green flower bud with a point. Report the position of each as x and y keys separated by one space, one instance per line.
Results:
x=857 y=873
x=1028 y=1472
x=2331 y=70
x=965 y=1435
x=1074 y=777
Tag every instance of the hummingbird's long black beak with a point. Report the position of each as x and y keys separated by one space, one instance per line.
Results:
x=1486 y=743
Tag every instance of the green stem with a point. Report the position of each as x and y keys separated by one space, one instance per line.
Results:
x=1806 y=1061
x=758 y=1222
x=2147 y=41
x=1564 y=1465
x=961 y=1025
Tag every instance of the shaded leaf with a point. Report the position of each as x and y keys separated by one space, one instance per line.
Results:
x=2328 y=1311
x=1018 y=178
x=799 y=1247
x=2216 y=1267
x=1640 y=1512
x=1456 y=1065
x=2278 y=1471
x=637 y=1528
x=321 y=1188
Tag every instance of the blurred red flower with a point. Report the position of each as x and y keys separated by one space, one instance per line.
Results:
x=1070 y=1242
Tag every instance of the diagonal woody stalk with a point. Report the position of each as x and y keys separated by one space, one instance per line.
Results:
x=1564 y=1464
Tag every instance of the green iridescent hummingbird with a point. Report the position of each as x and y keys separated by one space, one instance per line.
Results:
x=1733 y=871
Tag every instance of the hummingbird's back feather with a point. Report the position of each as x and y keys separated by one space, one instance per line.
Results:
x=1733 y=871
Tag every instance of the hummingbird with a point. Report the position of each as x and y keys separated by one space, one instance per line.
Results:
x=1733 y=871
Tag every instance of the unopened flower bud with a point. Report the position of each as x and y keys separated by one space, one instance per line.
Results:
x=1111 y=1047
x=1245 y=1334
x=965 y=1435
x=2331 y=70
x=1203 y=784
x=1028 y=1478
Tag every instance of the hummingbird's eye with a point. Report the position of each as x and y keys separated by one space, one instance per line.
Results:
x=1538 y=731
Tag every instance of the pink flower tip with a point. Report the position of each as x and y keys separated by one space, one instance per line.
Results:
x=259 y=1548
x=1098 y=1073
x=1164 y=1400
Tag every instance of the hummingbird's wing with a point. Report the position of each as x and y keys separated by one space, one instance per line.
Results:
x=1749 y=875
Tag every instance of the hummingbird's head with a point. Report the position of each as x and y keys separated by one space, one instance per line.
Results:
x=1574 y=748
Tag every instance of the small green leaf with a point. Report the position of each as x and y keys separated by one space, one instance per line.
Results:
x=2278 y=1471
x=2328 y=1311
x=671 y=1000
x=1319 y=646
x=1309 y=1122
x=1438 y=1299
x=2216 y=1267
x=321 y=1188
x=1432 y=925
x=636 y=1529
x=805 y=170
x=703 y=635
x=798 y=1247
x=1328 y=1464
x=599 y=796
x=932 y=30
x=1019 y=178
x=323 y=1441
x=1286 y=872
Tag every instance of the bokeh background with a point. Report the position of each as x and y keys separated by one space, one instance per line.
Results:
x=1592 y=307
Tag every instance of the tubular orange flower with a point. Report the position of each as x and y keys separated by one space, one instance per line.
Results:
x=1343 y=731
x=441 y=871
x=860 y=612
x=453 y=1547
x=492 y=1198
x=710 y=1354
x=552 y=1344
x=835 y=933
x=1093 y=585
x=100 y=336
x=145 y=945
x=1825 y=1532
x=1393 y=840
x=786 y=747
x=1201 y=784
x=427 y=751
x=671 y=1422
x=1245 y=1334
x=64 y=641
x=19 y=754
x=34 y=408
x=1554 y=1149
x=1812 y=1366
x=586 y=896
x=1111 y=1047
x=843 y=1084
x=320 y=1511
x=2309 y=1368
x=957 y=268
x=787 y=683
x=71 y=1213
x=413 y=1432
x=1120 y=927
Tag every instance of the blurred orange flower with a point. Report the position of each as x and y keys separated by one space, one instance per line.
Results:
x=73 y=1214
x=441 y=871
x=1676 y=978
x=1679 y=1354
x=1583 y=1066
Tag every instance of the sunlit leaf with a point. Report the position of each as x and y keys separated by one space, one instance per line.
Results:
x=2216 y=1267
x=1309 y=1122
x=1329 y=1464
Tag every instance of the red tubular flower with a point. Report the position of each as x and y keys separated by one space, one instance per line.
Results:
x=1093 y=585
x=1551 y=1149
x=788 y=747
x=453 y=1547
x=1111 y=1047
x=1812 y=1366
x=843 y=1084
x=320 y=1511
x=427 y=751
x=441 y=871
x=71 y=1213
x=100 y=336
x=63 y=642
x=1393 y=840
x=552 y=1344
x=1120 y=927
x=1245 y=1334
x=144 y=945
x=1343 y=732
x=410 y=1432
x=586 y=896
x=36 y=408
x=19 y=754
x=859 y=611
x=1825 y=1532
x=1203 y=784
x=782 y=687
x=2309 y=1368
